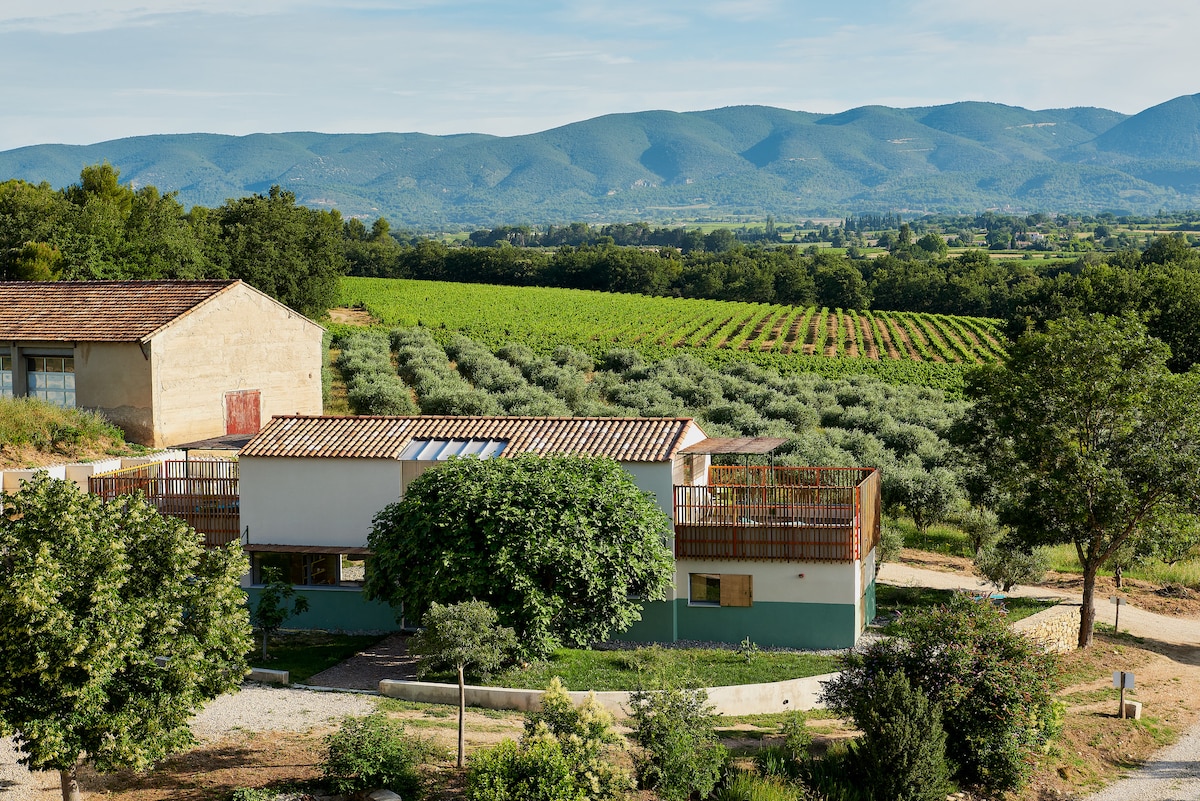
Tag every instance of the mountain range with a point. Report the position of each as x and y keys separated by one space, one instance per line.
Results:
x=661 y=165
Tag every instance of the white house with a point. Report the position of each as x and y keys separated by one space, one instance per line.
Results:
x=782 y=555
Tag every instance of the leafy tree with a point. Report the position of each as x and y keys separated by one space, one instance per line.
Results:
x=272 y=608
x=994 y=686
x=116 y=626
x=463 y=635
x=565 y=548
x=1090 y=437
x=292 y=253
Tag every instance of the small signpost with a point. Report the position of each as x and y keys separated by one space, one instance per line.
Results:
x=1122 y=681
x=1117 y=601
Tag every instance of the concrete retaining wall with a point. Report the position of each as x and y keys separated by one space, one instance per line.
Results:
x=1055 y=629
x=745 y=699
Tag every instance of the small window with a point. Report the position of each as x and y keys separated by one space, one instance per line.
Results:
x=311 y=569
x=721 y=589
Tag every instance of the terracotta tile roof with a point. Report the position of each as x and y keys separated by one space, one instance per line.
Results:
x=97 y=311
x=624 y=439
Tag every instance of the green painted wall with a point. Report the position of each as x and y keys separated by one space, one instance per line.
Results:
x=337 y=610
x=770 y=624
x=780 y=625
x=657 y=624
x=869 y=595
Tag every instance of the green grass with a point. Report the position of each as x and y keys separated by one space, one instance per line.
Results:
x=889 y=599
x=582 y=669
x=943 y=538
x=37 y=424
x=1064 y=559
x=305 y=653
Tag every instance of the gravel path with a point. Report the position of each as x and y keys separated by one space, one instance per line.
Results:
x=1173 y=774
x=254 y=708
x=387 y=659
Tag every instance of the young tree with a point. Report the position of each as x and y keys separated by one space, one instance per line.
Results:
x=116 y=626
x=463 y=635
x=1090 y=438
x=272 y=608
x=681 y=753
x=565 y=548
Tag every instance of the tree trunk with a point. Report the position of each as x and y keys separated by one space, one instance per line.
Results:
x=462 y=710
x=70 y=783
x=264 y=645
x=1087 y=612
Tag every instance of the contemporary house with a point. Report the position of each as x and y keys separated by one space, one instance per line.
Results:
x=782 y=555
x=168 y=361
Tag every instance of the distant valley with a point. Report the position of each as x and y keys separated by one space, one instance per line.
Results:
x=660 y=166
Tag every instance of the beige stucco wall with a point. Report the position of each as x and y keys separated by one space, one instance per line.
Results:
x=238 y=340
x=314 y=501
x=114 y=379
x=823 y=582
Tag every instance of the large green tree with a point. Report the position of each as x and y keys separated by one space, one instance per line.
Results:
x=116 y=626
x=291 y=252
x=565 y=548
x=1091 y=440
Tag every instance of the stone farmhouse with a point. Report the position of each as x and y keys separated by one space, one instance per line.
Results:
x=168 y=361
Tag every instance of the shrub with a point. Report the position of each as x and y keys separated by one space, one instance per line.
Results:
x=533 y=771
x=586 y=735
x=681 y=754
x=375 y=752
x=995 y=688
x=902 y=753
x=741 y=786
x=1006 y=566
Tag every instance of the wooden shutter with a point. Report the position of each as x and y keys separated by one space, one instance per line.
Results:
x=736 y=590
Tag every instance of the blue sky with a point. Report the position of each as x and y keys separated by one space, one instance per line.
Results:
x=84 y=71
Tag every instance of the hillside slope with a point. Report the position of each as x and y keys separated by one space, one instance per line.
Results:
x=660 y=165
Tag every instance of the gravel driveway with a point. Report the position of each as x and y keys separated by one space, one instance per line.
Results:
x=254 y=708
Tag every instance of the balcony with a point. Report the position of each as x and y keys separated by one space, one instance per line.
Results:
x=204 y=494
x=797 y=514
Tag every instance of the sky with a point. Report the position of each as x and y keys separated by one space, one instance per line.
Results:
x=86 y=71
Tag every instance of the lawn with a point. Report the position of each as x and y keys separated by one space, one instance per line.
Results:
x=628 y=669
x=306 y=653
x=889 y=600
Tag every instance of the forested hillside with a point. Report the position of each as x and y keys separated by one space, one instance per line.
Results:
x=748 y=160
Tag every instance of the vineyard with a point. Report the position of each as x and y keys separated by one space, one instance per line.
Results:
x=925 y=349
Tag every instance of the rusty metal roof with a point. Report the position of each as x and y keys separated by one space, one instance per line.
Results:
x=97 y=311
x=625 y=439
x=740 y=445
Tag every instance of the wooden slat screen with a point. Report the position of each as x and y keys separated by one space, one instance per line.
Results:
x=779 y=513
x=204 y=494
x=736 y=590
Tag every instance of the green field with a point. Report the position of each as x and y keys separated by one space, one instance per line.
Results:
x=925 y=349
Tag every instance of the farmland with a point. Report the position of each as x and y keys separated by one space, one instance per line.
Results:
x=914 y=348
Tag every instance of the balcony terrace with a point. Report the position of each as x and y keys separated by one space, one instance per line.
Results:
x=799 y=514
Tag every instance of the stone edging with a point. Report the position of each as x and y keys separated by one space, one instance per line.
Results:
x=1055 y=629
x=743 y=699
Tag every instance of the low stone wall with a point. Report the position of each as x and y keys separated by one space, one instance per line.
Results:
x=1055 y=629
x=743 y=699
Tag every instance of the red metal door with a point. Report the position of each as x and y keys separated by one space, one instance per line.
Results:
x=242 y=412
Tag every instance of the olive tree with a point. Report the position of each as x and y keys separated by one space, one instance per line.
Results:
x=116 y=626
x=565 y=548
